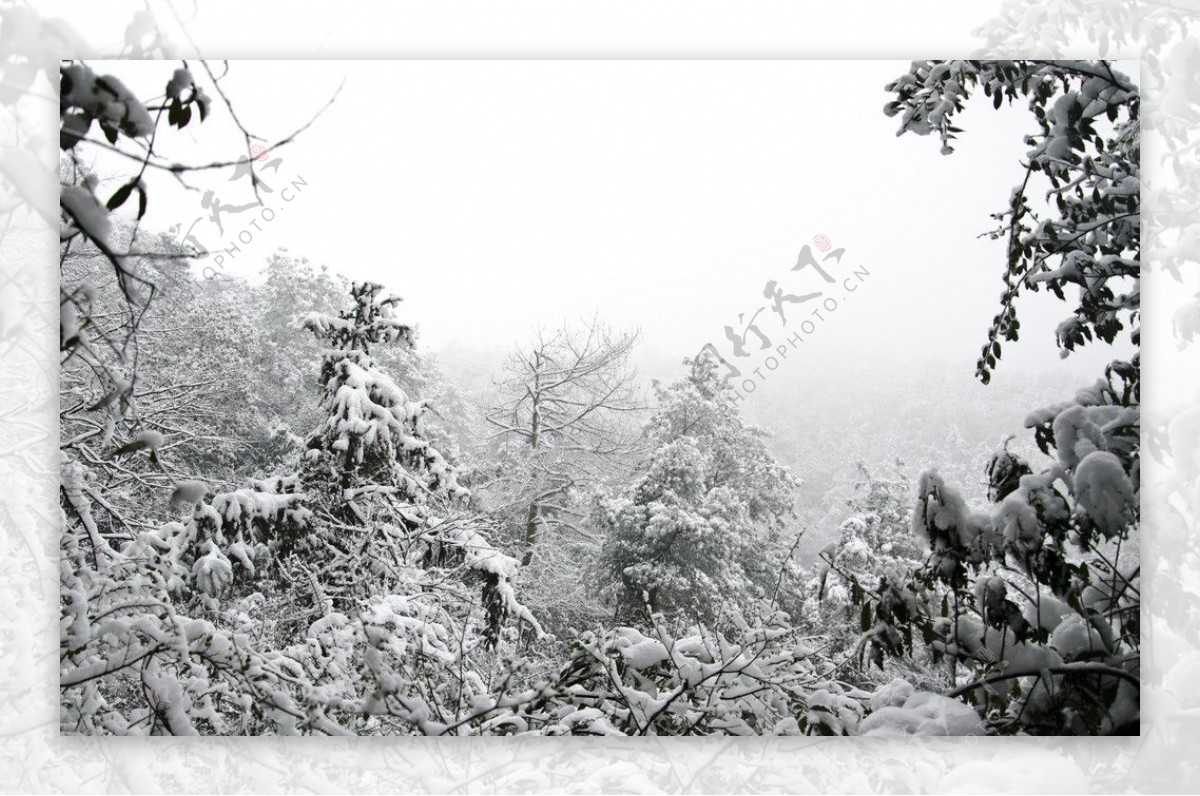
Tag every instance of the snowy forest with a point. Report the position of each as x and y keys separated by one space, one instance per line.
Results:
x=282 y=515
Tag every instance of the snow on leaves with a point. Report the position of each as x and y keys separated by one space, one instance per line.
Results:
x=1086 y=230
x=1035 y=599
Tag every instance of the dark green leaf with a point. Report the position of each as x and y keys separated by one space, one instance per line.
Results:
x=122 y=193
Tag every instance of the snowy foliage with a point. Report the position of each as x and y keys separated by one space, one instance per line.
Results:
x=760 y=679
x=373 y=431
x=416 y=600
x=875 y=546
x=687 y=539
x=1035 y=600
x=392 y=573
x=1086 y=235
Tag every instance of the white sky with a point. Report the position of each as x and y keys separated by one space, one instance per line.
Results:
x=499 y=196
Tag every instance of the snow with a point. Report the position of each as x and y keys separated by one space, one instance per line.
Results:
x=322 y=323
x=105 y=98
x=944 y=520
x=150 y=439
x=88 y=214
x=1105 y=492
x=588 y=721
x=1019 y=523
x=242 y=506
x=1047 y=613
x=1075 y=638
x=894 y=694
x=638 y=651
x=970 y=638
x=923 y=714
x=212 y=573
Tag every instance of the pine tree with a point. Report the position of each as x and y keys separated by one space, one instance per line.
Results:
x=371 y=441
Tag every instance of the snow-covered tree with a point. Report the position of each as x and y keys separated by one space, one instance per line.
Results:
x=1040 y=613
x=350 y=598
x=376 y=471
x=563 y=423
x=91 y=102
x=693 y=537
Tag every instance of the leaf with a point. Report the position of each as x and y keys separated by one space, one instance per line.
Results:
x=74 y=127
x=122 y=193
x=864 y=619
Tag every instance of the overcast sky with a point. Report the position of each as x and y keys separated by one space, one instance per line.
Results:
x=500 y=196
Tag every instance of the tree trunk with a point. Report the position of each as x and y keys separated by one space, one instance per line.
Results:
x=531 y=515
x=531 y=518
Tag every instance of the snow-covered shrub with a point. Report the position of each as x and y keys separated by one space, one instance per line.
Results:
x=875 y=546
x=133 y=662
x=752 y=679
x=898 y=711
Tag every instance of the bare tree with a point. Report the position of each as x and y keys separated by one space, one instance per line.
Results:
x=564 y=420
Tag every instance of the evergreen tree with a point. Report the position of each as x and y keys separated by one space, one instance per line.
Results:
x=692 y=538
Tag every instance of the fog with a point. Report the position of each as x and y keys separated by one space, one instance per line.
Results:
x=502 y=197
